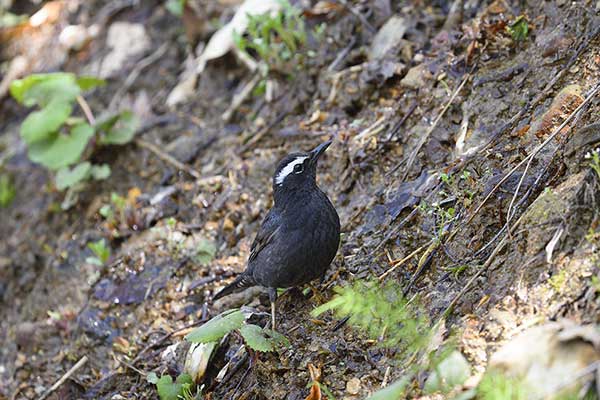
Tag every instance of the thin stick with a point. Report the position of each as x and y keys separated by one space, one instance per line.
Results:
x=87 y=111
x=401 y=262
x=425 y=137
x=509 y=215
x=536 y=151
x=66 y=376
x=168 y=158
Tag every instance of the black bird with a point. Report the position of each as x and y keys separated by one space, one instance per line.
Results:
x=300 y=234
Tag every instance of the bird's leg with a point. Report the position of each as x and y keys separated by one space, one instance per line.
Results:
x=272 y=299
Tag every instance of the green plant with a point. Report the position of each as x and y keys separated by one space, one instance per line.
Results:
x=7 y=191
x=381 y=312
x=519 y=29
x=175 y=7
x=594 y=163
x=55 y=138
x=101 y=252
x=257 y=338
x=275 y=38
x=495 y=386
x=181 y=389
x=385 y=315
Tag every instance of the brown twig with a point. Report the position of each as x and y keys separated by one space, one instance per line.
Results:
x=401 y=262
x=66 y=376
x=167 y=158
x=87 y=111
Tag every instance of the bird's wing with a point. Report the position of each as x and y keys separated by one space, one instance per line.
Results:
x=266 y=233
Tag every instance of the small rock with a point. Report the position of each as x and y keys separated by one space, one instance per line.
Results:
x=127 y=41
x=353 y=386
x=416 y=77
x=73 y=37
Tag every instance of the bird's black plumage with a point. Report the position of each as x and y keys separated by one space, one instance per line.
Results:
x=300 y=234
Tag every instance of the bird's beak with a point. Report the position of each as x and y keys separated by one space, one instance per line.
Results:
x=318 y=151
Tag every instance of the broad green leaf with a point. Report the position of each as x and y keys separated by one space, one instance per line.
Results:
x=450 y=372
x=255 y=338
x=217 y=327
x=277 y=338
x=395 y=391
x=89 y=82
x=100 y=172
x=66 y=177
x=39 y=125
x=169 y=390
x=118 y=129
x=41 y=89
x=61 y=150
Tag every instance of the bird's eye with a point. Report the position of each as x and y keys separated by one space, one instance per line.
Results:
x=298 y=168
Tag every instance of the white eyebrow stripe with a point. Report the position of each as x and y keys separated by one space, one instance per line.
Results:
x=288 y=169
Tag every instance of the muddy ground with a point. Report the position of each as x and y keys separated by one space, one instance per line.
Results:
x=436 y=123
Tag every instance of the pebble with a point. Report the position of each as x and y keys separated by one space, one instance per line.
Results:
x=353 y=386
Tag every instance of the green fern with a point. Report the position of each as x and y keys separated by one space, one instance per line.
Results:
x=383 y=313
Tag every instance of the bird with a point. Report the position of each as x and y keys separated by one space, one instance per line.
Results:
x=299 y=236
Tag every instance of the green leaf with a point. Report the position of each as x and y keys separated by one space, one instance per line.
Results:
x=452 y=371
x=61 y=150
x=175 y=7
x=169 y=390
x=7 y=191
x=217 y=327
x=152 y=378
x=94 y=261
x=66 y=177
x=519 y=30
x=118 y=129
x=394 y=391
x=39 y=125
x=205 y=252
x=100 y=172
x=255 y=338
x=89 y=82
x=42 y=89
x=100 y=250
x=277 y=338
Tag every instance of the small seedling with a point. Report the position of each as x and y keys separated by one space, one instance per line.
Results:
x=519 y=29
x=58 y=140
x=275 y=38
x=101 y=252
x=181 y=389
x=7 y=191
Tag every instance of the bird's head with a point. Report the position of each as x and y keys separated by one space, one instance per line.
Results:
x=298 y=170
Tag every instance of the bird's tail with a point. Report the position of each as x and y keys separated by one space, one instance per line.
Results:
x=241 y=282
